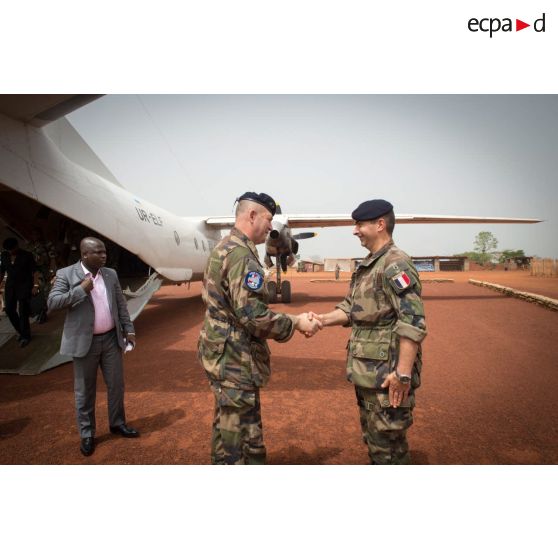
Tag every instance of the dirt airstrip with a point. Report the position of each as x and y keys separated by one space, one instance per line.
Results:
x=488 y=395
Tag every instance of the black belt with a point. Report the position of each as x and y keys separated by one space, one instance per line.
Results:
x=106 y=332
x=377 y=325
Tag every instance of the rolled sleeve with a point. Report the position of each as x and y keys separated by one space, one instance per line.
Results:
x=414 y=333
x=291 y=332
x=345 y=306
x=409 y=308
x=254 y=315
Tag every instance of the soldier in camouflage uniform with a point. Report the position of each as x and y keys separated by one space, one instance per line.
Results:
x=385 y=311
x=45 y=259
x=232 y=345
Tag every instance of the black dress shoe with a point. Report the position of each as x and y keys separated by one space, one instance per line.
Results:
x=87 y=446
x=24 y=342
x=125 y=431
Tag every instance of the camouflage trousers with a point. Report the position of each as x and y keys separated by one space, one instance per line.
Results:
x=384 y=429
x=44 y=289
x=237 y=437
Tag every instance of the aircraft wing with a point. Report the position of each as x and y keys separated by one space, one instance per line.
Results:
x=315 y=220
x=41 y=109
x=308 y=221
x=223 y=222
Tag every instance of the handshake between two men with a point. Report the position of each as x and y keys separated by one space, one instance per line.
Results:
x=309 y=323
x=234 y=273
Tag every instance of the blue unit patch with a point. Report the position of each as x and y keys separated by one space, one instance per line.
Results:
x=253 y=280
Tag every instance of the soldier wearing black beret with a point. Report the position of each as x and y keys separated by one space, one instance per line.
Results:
x=385 y=311
x=232 y=346
x=371 y=210
x=263 y=199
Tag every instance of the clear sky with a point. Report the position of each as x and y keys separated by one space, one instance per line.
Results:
x=477 y=155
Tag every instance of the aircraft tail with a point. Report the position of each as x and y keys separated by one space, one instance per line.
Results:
x=74 y=147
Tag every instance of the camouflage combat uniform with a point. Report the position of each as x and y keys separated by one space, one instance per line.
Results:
x=383 y=304
x=44 y=253
x=233 y=350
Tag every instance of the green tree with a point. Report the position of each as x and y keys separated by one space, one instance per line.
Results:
x=485 y=242
x=511 y=255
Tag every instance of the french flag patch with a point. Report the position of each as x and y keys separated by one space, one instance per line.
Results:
x=401 y=281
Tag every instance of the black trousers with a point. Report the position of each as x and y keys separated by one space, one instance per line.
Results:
x=17 y=310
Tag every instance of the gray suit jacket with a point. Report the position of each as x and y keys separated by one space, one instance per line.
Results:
x=78 y=327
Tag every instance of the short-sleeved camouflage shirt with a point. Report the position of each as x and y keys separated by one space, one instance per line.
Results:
x=383 y=304
x=232 y=346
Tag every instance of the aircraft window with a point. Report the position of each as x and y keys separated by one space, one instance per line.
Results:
x=196 y=243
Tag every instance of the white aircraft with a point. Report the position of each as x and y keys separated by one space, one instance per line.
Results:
x=47 y=169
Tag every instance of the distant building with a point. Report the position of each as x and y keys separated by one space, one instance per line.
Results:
x=441 y=263
x=309 y=265
x=422 y=263
x=523 y=262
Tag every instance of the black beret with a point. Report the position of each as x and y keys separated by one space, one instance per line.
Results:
x=263 y=199
x=371 y=209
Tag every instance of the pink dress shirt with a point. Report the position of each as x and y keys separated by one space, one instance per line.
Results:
x=103 y=317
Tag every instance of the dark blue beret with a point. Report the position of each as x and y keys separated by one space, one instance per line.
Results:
x=371 y=209
x=263 y=199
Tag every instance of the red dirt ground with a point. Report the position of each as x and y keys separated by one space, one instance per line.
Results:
x=488 y=393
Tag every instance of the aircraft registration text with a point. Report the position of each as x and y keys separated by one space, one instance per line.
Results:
x=149 y=217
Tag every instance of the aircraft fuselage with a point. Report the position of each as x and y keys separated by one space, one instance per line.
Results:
x=32 y=164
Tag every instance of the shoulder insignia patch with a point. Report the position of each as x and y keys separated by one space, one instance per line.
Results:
x=253 y=281
x=401 y=281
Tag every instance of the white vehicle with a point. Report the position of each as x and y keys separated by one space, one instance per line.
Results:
x=47 y=170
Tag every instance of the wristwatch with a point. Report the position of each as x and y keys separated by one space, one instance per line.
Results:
x=403 y=378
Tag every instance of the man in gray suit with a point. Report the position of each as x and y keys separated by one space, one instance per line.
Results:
x=96 y=332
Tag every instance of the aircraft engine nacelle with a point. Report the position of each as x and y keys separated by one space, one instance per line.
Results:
x=279 y=242
x=282 y=245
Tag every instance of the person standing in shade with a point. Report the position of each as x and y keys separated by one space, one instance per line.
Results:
x=232 y=346
x=385 y=311
x=45 y=261
x=19 y=267
x=96 y=332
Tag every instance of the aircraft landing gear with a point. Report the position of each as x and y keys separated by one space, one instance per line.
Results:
x=279 y=288
x=286 y=292
x=272 y=292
